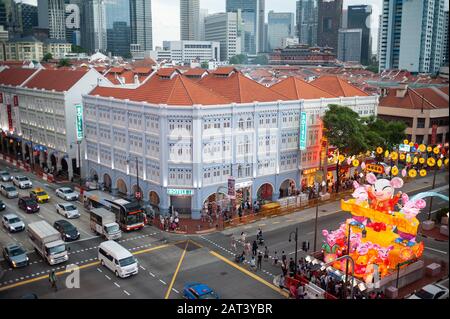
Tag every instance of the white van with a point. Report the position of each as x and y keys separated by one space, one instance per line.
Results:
x=117 y=259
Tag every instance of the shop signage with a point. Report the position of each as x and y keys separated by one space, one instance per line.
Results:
x=231 y=187
x=244 y=184
x=10 y=121
x=180 y=192
x=80 y=132
x=16 y=100
x=404 y=148
x=310 y=171
x=375 y=168
x=303 y=129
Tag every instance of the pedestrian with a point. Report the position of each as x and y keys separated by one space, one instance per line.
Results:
x=266 y=253
x=275 y=258
x=52 y=278
x=254 y=248
x=253 y=263
x=260 y=256
x=283 y=257
x=243 y=237
x=291 y=267
x=233 y=244
x=248 y=248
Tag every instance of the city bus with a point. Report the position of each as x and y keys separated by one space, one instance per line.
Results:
x=129 y=214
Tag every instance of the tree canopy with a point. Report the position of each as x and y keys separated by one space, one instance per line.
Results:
x=64 y=62
x=239 y=59
x=48 y=56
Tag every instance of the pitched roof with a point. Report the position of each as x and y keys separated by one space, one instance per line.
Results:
x=15 y=76
x=226 y=70
x=428 y=98
x=142 y=70
x=195 y=72
x=177 y=90
x=240 y=89
x=337 y=86
x=58 y=80
x=297 y=89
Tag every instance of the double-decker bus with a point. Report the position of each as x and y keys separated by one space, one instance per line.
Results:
x=129 y=215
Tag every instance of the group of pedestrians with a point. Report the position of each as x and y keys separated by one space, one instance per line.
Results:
x=251 y=250
x=170 y=222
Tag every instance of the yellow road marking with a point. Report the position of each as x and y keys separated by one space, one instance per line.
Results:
x=248 y=273
x=29 y=281
x=176 y=271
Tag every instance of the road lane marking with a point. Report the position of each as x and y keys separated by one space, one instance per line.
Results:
x=151 y=274
x=175 y=290
x=437 y=250
x=117 y=285
x=109 y=278
x=176 y=270
x=163 y=282
x=248 y=273
x=126 y=292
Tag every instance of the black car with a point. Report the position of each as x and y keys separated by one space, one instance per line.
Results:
x=2 y=205
x=68 y=231
x=28 y=204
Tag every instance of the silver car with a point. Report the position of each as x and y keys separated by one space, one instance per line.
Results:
x=67 y=210
x=22 y=182
x=15 y=255
x=5 y=176
x=66 y=193
x=9 y=191
x=13 y=223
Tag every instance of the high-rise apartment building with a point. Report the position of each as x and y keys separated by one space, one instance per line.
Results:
x=280 y=26
x=329 y=22
x=359 y=17
x=412 y=35
x=189 y=20
x=307 y=21
x=349 y=45
x=141 y=27
x=52 y=16
x=224 y=28
x=93 y=34
x=446 y=40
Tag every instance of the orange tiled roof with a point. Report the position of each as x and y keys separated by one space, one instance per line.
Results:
x=116 y=70
x=337 y=86
x=240 y=89
x=297 y=89
x=428 y=98
x=178 y=90
x=15 y=76
x=142 y=70
x=58 y=80
x=226 y=70
x=167 y=71
x=195 y=72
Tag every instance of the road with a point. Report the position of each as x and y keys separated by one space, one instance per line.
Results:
x=168 y=261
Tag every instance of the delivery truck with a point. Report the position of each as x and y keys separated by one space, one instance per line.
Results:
x=103 y=222
x=47 y=242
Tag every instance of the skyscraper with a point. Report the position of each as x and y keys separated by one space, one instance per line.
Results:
x=189 y=19
x=280 y=26
x=224 y=28
x=349 y=45
x=329 y=22
x=412 y=35
x=446 y=40
x=141 y=26
x=118 y=27
x=359 y=17
x=201 y=23
x=253 y=16
x=28 y=17
x=307 y=22
x=51 y=16
x=93 y=27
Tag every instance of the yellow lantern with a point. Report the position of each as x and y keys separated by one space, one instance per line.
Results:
x=439 y=163
x=408 y=158
x=423 y=172
x=422 y=147
x=431 y=161
x=421 y=160
x=411 y=144
x=436 y=150
x=402 y=156
x=429 y=149
x=355 y=163
x=412 y=173
x=394 y=156
x=406 y=142
x=341 y=158
x=379 y=150
x=415 y=160
x=446 y=161
x=394 y=171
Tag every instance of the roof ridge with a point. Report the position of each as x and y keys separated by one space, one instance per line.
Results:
x=423 y=98
x=238 y=74
x=295 y=86
x=173 y=89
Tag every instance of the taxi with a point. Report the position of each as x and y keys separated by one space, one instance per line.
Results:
x=199 y=291
x=40 y=195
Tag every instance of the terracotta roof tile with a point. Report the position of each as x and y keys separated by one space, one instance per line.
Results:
x=167 y=71
x=15 y=76
x=297 y=89
x=142 y=70
x=116 y=70
x=226 y=70
x=337 y=86
x=195 y=72
x=58 y=80
x=428 y=98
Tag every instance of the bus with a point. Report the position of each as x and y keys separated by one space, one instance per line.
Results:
x=129 y=215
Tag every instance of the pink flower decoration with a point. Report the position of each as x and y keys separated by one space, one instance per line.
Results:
x=363 y=165
x=403 y=172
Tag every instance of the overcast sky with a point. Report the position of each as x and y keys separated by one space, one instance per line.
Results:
x=166 y=15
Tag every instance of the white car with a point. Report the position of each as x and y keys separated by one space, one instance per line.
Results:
x=22 y=182
x=67 y=210
x=67 y=193
x=13 y=223
x=5 y=176
x=9 y=191
x=432 y=291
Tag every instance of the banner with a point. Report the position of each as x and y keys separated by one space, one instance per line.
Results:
x=433 y=134
x=80 y=132
x=231 y=187
x=16 y=100
x=303 y=130
x=10 y=121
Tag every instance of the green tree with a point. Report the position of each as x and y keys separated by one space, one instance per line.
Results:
x=64 y=62
x=78 y=49
x=390 y=133
x=261 y=60
x=48 y=56
x=239 y=59
x=205 y=65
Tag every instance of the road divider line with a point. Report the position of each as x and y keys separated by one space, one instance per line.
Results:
x=248 y=273
x=436 y=250
x=176 y=270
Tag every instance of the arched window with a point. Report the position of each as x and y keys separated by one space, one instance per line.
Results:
x=241 y=124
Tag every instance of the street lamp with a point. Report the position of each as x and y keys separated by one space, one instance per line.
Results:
x=296 y=245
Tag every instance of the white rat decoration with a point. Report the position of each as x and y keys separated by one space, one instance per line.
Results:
x=381 y=193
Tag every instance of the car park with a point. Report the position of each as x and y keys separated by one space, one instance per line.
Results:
x=67 y=210
x=432 y=291
x=15 y=255
x=22 y=182
x=28 y=205
x=199 y=291
x=68 y=231
x=9 y=191
x=13 y=223
x=40 y=195
x=5 y=176
x=67 y=193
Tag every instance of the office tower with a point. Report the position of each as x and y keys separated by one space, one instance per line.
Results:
x=189 y=19
x=359 y=17
x=201 y=23
x=28 y=15
x=93 y=27
x=141 y=26
x=307 y=22
x=280 y=26
x=118 y=27
x=329 y=22
x=411 y=35
x=253 y=18
x=52 y=16
x=349 y=45
x=446 y=40
x=223 y=28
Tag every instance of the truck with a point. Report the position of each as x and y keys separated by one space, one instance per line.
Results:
x=103 y=222
x=47 y=242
